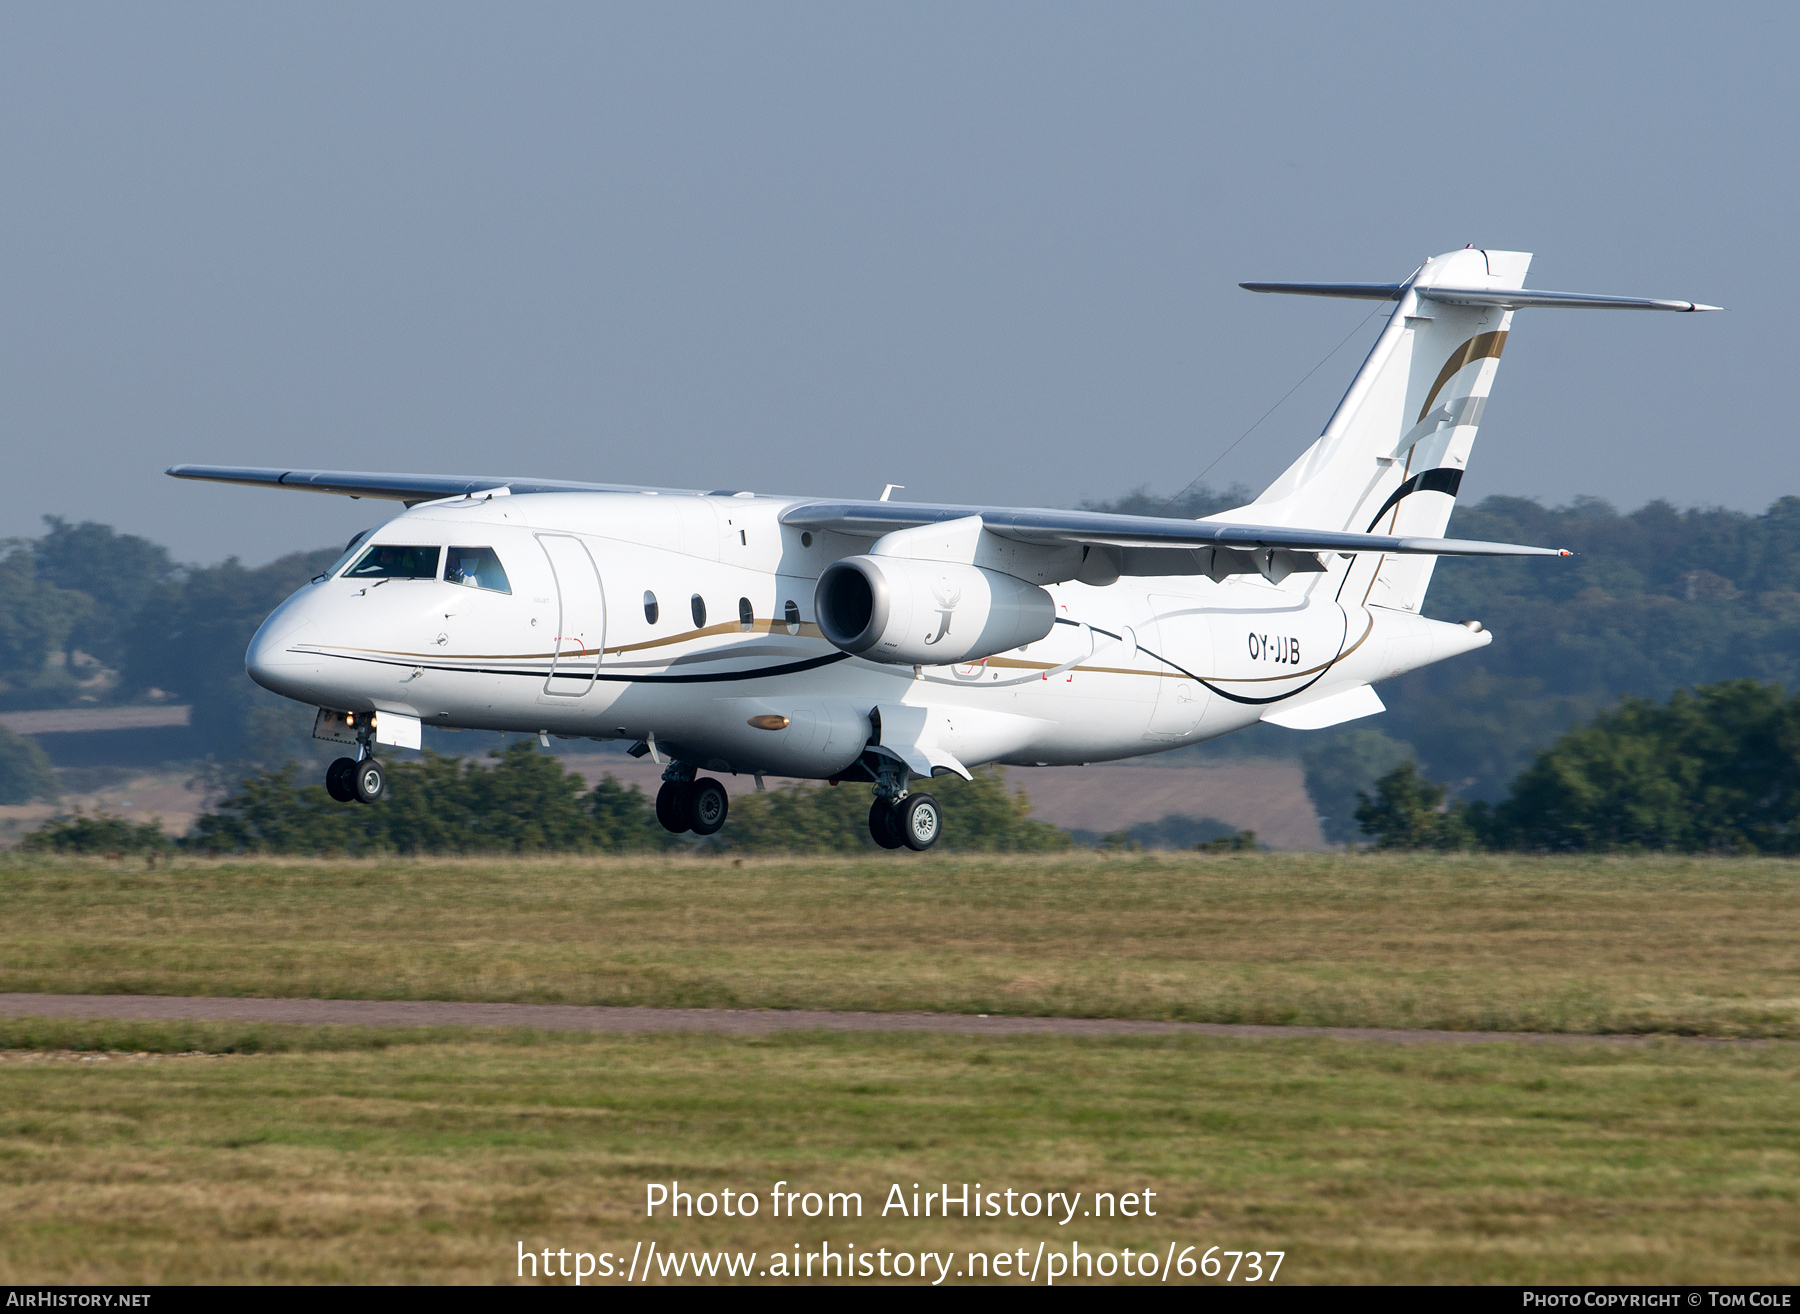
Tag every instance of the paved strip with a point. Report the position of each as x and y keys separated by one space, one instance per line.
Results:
x=729 y=1021
x=76 y=720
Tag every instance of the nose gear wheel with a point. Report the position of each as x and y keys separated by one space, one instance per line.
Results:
x=337 y=780
x=368 y=781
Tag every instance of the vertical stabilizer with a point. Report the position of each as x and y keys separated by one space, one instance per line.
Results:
x=1391 y=458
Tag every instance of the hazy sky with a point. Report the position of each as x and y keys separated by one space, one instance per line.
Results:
x=989 y=252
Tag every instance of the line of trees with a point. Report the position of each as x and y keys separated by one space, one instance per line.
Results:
x=526 y=802
x=1713 y=770
x=1655 y=600
x=91 y=617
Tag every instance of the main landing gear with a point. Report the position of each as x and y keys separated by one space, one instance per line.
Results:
x=898 y=819
x=684 y=803
x=913 y=822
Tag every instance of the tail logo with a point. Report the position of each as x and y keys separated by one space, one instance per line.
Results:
x=1480 y=347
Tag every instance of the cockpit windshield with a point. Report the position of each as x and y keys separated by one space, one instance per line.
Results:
x=476 y=568
x=394 y=561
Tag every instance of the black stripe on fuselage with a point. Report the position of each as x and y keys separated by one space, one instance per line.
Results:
x=1444 y=479
x=714 y=677
x=1226 y=693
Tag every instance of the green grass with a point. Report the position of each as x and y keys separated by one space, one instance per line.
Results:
x=1692 y=946
x=352 y=1156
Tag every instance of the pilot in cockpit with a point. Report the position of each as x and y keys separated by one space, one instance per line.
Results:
x=476 y=568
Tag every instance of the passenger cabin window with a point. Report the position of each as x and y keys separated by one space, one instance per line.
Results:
x=746 y=615
x=476 y=568
x=792 y=613
x=393 y=561
x=698 y=604
x=651 y=611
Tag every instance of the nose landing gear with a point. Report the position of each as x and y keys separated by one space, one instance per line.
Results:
x=350 y=781
x=357 y=779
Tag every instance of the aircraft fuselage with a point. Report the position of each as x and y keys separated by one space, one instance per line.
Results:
x=687 y=621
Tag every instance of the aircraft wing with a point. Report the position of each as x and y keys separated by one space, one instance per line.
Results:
x=873 y=519
x=393 y=487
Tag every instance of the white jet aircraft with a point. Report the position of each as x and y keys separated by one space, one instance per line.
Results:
x=890 y=642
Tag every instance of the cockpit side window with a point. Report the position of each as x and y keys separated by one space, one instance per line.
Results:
x=476 y=568
x=395 y=561
x=349 y=551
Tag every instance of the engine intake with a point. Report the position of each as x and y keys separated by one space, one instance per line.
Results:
x=927 y=613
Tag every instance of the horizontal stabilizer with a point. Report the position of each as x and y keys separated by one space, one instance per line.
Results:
x=1354 y=291
x=1509 y=298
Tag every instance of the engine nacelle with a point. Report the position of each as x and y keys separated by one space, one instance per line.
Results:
x=927 y=613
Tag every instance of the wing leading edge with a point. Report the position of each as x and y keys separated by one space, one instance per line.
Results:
x=392 y=487
x=1099 y=529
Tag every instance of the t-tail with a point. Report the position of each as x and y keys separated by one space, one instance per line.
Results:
x=1391 y=459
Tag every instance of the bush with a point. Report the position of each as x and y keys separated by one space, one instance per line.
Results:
x=99 y=833
x=524 y=803
x=25 y=772
x=1242 y=842
x=1409 y=812
x=1716 y=769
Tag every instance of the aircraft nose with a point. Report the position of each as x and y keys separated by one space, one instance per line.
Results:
x=271 y=660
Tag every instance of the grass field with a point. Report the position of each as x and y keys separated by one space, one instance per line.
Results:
x=356 y=1156
x=1704 y=947
x=229 y=1152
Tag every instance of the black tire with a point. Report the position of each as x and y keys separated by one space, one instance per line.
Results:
x=337 y=780
x=884 y=826
x=673 y=809
x=708 y=804
x=368 y=780
x=920 y=822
